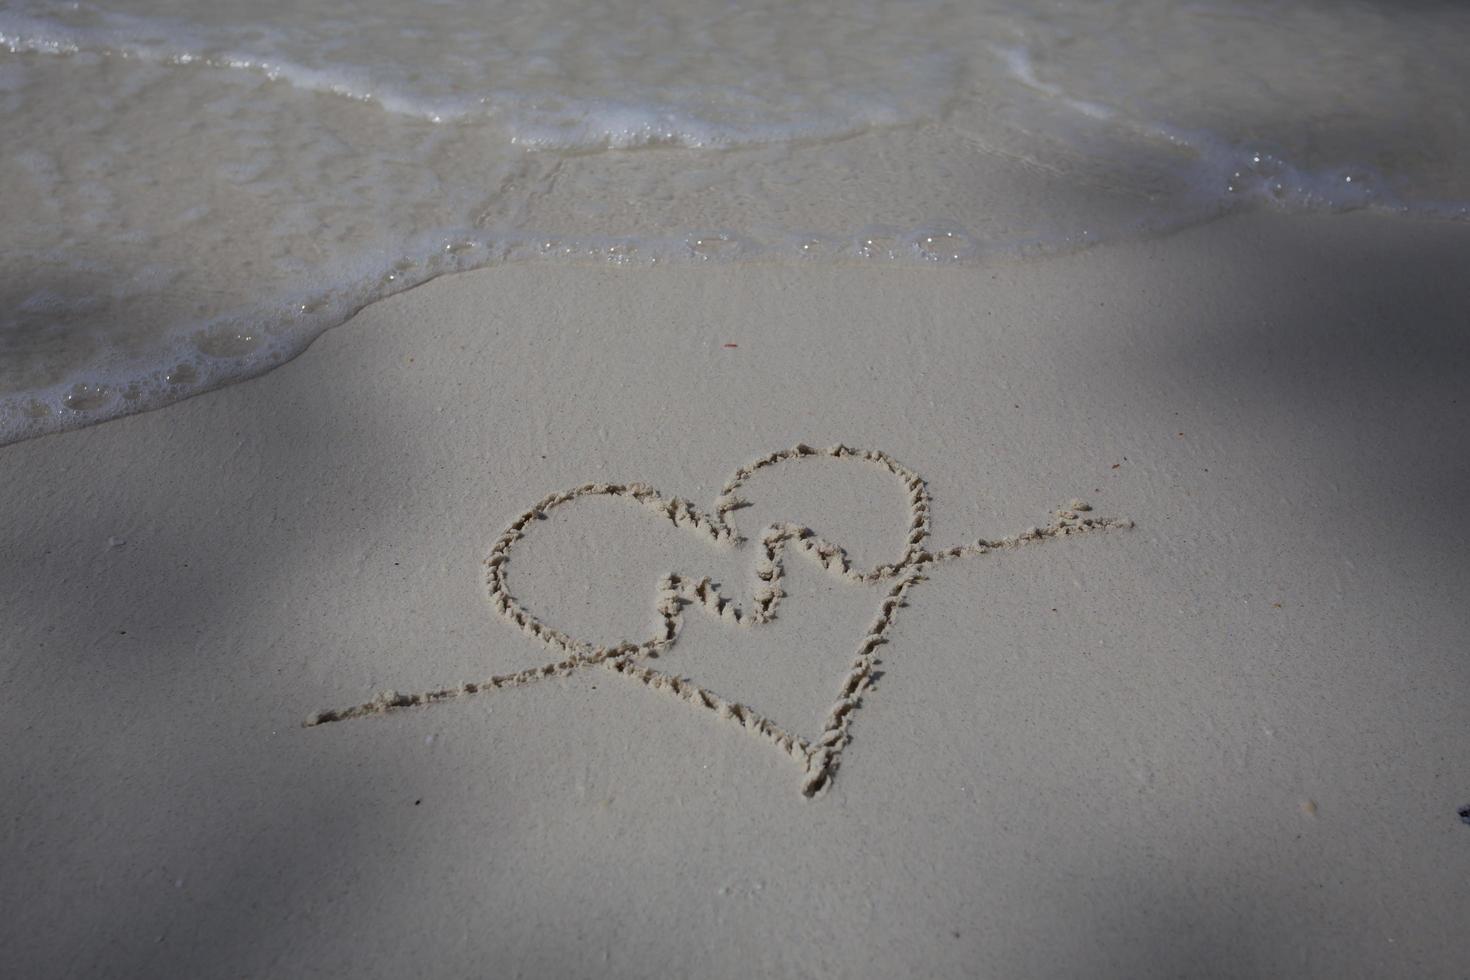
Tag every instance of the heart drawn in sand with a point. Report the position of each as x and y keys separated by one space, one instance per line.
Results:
x=818 y=756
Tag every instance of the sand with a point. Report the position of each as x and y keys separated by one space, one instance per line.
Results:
x=1229 y=740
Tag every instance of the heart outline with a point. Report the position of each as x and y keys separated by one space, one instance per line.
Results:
x=819 y=757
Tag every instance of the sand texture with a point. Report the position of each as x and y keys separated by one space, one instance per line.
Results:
x=1095 y=616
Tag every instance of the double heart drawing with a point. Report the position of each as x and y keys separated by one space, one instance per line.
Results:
x=819 y=755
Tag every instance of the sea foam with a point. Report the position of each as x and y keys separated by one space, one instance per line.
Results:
x=193 y=192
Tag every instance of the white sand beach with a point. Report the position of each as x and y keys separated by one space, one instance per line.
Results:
x=1230 y=740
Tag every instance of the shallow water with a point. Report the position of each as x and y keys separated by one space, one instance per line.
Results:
x=193 y=191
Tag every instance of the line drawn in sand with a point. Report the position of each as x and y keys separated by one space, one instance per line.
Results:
x=818 y=757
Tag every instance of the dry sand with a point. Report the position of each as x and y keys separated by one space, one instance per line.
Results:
x=1229 y=741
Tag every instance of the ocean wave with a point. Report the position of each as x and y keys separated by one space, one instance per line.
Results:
x=201 y=189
